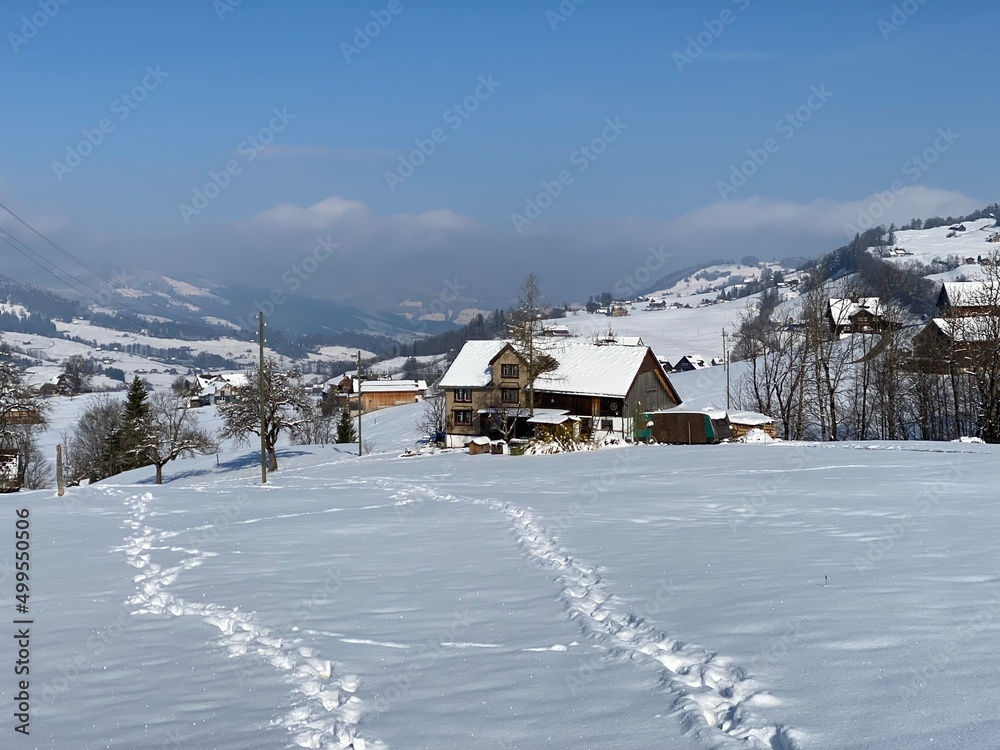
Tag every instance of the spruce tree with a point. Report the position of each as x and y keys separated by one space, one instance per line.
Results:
x=135 y=427
x=345 y=428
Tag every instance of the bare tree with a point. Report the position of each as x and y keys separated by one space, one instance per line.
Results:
x=434 y=419
x=173 y=432
x=286 y=407
x=526 y=332
x=91 y=447
x=316 y=428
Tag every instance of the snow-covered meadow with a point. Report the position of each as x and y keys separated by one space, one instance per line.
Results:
x=736 y=596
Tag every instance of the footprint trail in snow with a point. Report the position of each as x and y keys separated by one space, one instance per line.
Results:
x=713 y=697
x=326 y=710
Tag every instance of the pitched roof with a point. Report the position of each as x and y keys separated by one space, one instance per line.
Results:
x=843 y=310
x=966 y=294
x=973 y=329
x=471 y=368
x=591 y=369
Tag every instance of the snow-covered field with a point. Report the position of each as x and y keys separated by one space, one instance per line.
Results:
x=737 y=596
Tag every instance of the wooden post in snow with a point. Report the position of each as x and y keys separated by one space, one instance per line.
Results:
x=59 y=472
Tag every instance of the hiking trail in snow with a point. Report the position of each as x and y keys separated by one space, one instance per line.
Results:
x=326 y=709
x=713 y=697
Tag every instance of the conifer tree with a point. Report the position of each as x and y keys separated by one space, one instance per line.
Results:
x=345 y=428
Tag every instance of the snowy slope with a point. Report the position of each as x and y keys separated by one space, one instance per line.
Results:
x=739 y=596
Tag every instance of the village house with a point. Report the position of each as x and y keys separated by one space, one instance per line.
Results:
x=374 y=394
x=690 y=363
x=598 y=387
x=959 y=299
x=961 y=342
x=858 y=315
x=217 y=389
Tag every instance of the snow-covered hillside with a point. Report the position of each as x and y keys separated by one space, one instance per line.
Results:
x=941 y=243
x=740 y=596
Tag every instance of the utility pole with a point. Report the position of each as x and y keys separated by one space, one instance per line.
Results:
x=260 y=383
x=359 y=402
x=725 y=356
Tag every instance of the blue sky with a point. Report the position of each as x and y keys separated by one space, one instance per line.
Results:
x=889 y=90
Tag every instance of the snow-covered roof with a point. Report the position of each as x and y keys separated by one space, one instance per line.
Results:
x=471 y=367
x=591 y=369
x=843 y=310
x=749 y=418
x=971 y=329
x=550 y=416
x=391 y=386
x=968 y=293
x=695 y=360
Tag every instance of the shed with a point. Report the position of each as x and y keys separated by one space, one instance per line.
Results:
x=744 y=421
x=690 y=427
x=479 y=446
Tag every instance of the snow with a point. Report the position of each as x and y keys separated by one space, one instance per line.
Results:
x=185 y=289
x=471 y=367
x=737 y=596
x=19 y=310
x=927 y=245
x=590 y=369
x=670 y=333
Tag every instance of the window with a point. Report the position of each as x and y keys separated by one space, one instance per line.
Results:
x=509 y=395
x=510 y=371
x=463 y=395
x=463 y=416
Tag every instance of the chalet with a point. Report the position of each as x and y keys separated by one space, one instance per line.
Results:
x=657 y=304
x=690 y=363
x=857 y=315
x=599 y=386
x=961 y=341
x=217 y=389
x=959 y=299
x=617 y=311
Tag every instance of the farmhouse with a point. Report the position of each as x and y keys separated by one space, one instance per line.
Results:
x=375 y=394
x=962 y=341
x=601 y=386
x=968 y=298
x=858 y=315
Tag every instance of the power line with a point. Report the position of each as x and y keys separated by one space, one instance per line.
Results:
x=114 y=286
